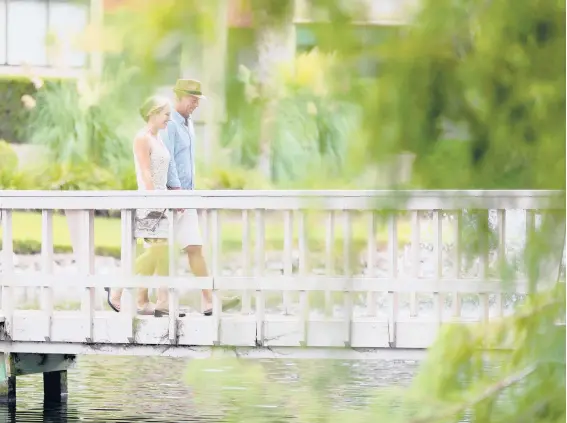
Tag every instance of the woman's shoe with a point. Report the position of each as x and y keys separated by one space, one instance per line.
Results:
x=112 y=306
x=164 y=313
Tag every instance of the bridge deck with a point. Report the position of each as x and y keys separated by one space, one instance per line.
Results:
x=112 y=334
x=234 y=330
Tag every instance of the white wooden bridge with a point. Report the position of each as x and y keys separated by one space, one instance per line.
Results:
x=382 y=301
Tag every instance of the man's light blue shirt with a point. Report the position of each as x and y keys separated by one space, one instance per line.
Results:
x=179 y=138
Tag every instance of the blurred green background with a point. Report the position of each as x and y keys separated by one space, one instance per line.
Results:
x=436 y=94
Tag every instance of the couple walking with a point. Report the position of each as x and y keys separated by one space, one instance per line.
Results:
x=164 y=157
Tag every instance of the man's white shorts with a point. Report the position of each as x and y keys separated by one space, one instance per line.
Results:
x=187 y=228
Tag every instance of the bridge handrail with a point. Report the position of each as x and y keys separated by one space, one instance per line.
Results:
x=285 y=199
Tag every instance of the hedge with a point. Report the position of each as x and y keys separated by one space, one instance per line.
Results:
x=13 y=115
x=32 y=246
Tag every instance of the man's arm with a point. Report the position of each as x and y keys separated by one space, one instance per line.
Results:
x=169 y=137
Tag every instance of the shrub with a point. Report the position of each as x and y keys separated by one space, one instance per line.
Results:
x=14 y=115
x=311 y=122
x=31 y=246
x=79 y=177
x=8 y=157
x=74 y=127
x=232 y=177
x=10 y=176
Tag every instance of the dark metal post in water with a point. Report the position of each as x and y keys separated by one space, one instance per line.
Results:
x=55 y=386
x=7 y=379
x=8 y=390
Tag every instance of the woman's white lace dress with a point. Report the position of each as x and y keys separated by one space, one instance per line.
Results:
x=152 y=223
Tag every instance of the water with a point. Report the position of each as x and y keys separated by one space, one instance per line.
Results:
x=156 y=389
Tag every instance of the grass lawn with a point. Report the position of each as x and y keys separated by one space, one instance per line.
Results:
x=27 y=233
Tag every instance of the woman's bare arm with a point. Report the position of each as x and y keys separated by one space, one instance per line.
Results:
x=142 y=152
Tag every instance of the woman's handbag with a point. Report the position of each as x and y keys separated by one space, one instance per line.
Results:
x=154 y=224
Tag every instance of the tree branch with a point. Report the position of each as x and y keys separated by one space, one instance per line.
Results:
x=489 y=392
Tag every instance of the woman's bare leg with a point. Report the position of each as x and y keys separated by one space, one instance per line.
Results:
x=162 y=269
x=146 y=266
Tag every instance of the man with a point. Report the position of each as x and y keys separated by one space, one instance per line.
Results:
x=179 y=137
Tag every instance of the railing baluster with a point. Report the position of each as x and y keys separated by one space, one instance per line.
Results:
x=260 y=265
x=371 y=297
x=456 y=271
x=530 y=234
x=173 y=255
x=501 y=258
x=128 y=251
x=215 y=270
x=7 y=270
x=329 y=258
x=206 y=234
x=47 y=267
x=288 y=258
x=393 y=256
x=484 y=246
x=246 y=300
x=552 y=227
x=348 y=300
x=438 y=298
x=86 y=268
x=303 y=297
x=415 y=262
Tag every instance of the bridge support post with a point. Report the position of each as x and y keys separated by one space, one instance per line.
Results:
x=55 y=386
x=7 y=380
x=53 y=366
x=8 y=390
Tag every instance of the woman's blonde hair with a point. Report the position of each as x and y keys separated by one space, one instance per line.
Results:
x=153 y=105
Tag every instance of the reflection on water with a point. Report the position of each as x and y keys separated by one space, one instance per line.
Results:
x=154 y=389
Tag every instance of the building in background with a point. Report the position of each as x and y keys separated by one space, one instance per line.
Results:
x=47 y=38
x=40 y=35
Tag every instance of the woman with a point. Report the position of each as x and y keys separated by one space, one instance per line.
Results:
x=151 y=159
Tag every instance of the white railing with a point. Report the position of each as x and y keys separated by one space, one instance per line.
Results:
x=376 y=321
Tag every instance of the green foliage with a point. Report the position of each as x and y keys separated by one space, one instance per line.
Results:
x=497 y=70
x=64 y=176
x=8 y=157
x=476 y=91
x=14 y=116
x=311 y=127
x=232 y=177
x=85 y=125
x=446 y=157
x=160 y=28
x=85 y=122
x=33 y=246
x=8 y=164
x=79 y=176
x=526 y=383
x=494 y=70
x=11 y=175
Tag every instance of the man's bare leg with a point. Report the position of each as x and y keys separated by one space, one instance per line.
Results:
x=199 y=268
